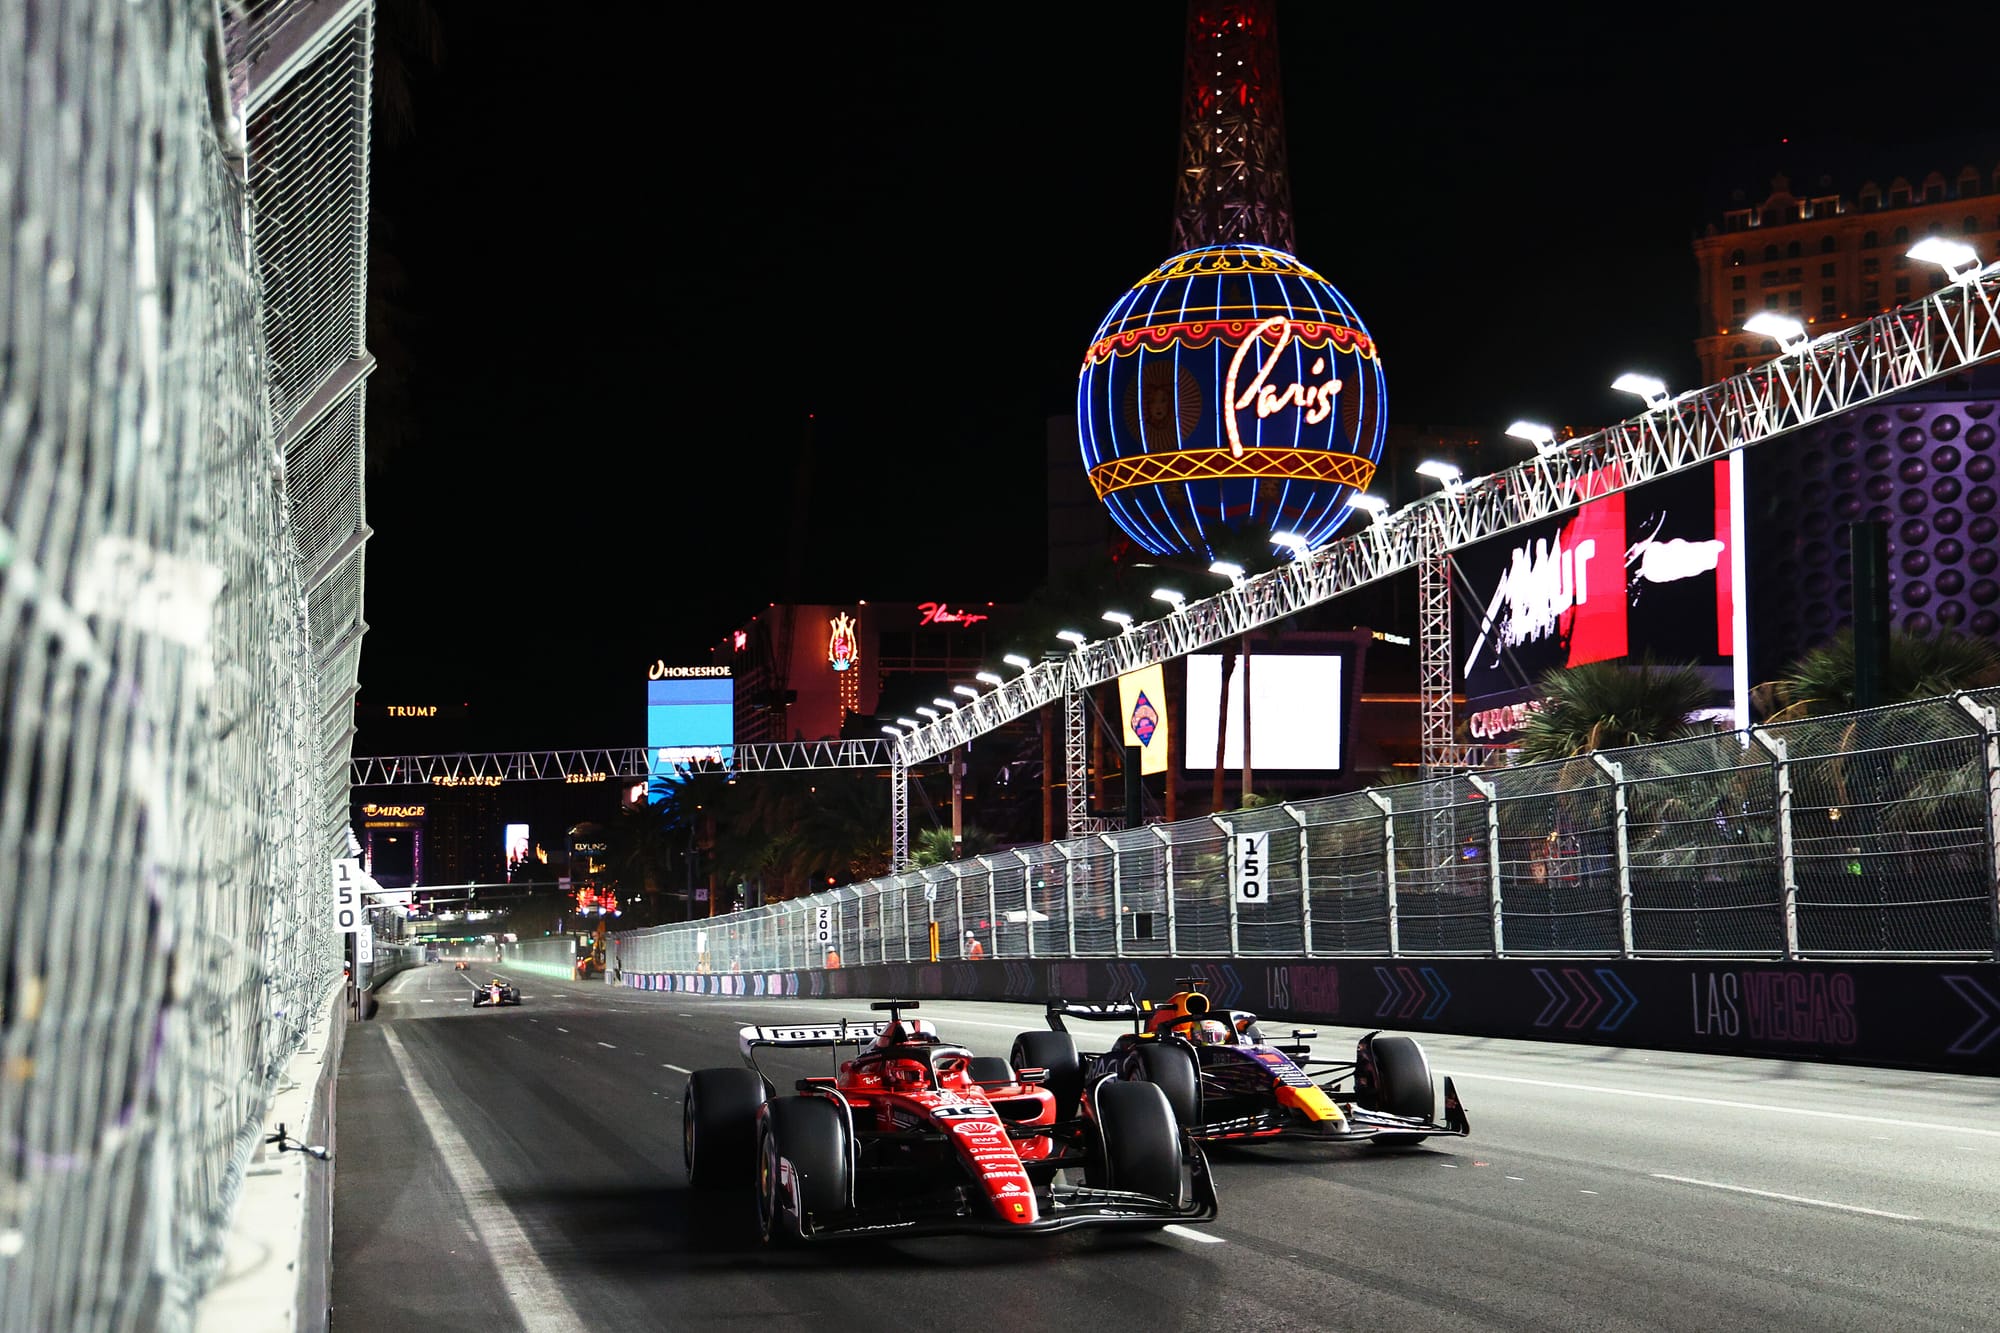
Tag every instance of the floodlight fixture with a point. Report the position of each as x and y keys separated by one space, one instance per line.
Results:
x=930 y=713
x=909 y=722
x=1372 y=505
x=1959 y=260
x=949 y=705
x=965 y=690
x=1444 y=472
x=988 y=678
x=1071 y=637
x=1654 y=391
x=1227 y=569
x=1170 y=597
x=1016 y=660
x=1120 y=619
x=1292 y=542
x=897 y=732
x=1789 y=333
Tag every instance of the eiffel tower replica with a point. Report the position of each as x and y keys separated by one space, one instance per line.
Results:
x=1234 y=184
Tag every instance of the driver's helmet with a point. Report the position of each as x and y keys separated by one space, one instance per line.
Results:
x=1210 y=1032
x=906 y=1075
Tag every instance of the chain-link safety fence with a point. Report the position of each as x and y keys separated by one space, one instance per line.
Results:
x=184 y=187
x=1867 y=835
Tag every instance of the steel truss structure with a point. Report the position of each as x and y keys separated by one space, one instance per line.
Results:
x=1949 y=331
x=468 y=770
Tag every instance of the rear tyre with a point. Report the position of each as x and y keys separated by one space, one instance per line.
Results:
x=809 y=1133
x=1173 y=1071
x=719 y=1126
x=1402 y=1082
x=1139 y=1145
x=1055 y=1052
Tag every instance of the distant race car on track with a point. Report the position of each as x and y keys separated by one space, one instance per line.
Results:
x=1226 y=1082
x=916 y=1136
x=496 y=991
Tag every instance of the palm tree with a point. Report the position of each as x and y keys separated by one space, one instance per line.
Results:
x=1610 y=705
x=935 y=848
x=1822 y=679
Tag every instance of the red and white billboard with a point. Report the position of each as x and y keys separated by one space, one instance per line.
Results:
x=1628 y=574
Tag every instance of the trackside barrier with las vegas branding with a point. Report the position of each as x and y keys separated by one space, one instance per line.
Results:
x=1928 y=1015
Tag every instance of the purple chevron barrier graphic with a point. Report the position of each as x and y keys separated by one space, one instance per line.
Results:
x=1410 y=992
x=1123 y=980
x=1574 y=998
x=1893 y=1012
x=1985 y=1026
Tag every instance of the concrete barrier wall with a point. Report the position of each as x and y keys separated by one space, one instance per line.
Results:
x=1926 y=1015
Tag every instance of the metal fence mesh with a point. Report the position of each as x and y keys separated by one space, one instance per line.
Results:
x=179 y=586
x=1866 y=835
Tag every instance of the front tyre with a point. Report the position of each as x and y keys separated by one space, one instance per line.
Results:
x=1139 y=1145
x=809 y=1133
x=1401 y=1081
x=719 y=1126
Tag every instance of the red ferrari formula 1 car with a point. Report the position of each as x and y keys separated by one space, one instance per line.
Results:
x=916 y=1136
x=1226 y=1082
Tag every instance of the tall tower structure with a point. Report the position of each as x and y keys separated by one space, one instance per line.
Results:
x=1234 y=183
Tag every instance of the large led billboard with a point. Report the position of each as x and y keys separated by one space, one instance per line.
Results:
x=1652 y=571
x=1297 y=706
x=690 y=717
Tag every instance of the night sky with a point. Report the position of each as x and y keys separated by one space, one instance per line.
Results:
x=619 y=259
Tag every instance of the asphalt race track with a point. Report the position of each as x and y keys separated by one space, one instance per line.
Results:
x=521 y=1168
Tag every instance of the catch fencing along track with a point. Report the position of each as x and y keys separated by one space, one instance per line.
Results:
x=181 y=536
x=1860 y=836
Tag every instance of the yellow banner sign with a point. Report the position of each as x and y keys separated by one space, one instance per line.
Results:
x=1142 y=704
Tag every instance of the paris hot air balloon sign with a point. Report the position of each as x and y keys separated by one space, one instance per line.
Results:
x=1232 y=389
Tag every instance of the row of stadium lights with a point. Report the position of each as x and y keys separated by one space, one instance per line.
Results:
x=1958 y=260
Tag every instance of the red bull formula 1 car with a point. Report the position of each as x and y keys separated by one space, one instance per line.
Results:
x=1226 y=1082
x=497 y=991
x=916 y=1136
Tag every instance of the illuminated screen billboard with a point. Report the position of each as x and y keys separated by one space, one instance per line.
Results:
x=1297 y=704
x=690 y=718
x=1649 y=571
x=516 y=844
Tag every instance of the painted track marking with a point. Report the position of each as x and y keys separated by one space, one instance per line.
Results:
x=607 y=1045
x=1736 y=1105
x=1189 y=1233
x=1788 y=1198
x=529 y=1288
x=677 y=1069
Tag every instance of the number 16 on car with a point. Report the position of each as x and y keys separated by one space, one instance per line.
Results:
x=1250 y=867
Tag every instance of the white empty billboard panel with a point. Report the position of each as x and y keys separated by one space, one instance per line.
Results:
x=1295 y=713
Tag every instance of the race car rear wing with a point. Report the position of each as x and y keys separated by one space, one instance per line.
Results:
x=842 y=1033
x=1096 y=1013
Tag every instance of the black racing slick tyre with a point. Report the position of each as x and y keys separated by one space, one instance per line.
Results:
x=1170 y=1068
x=1055 y=1052
x=1139 y=1145
x=719 y=1126
x=810 y=1133
x=1402 y=1080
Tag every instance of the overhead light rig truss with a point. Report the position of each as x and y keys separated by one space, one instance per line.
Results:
x=1949 y=331
x=453 y=770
